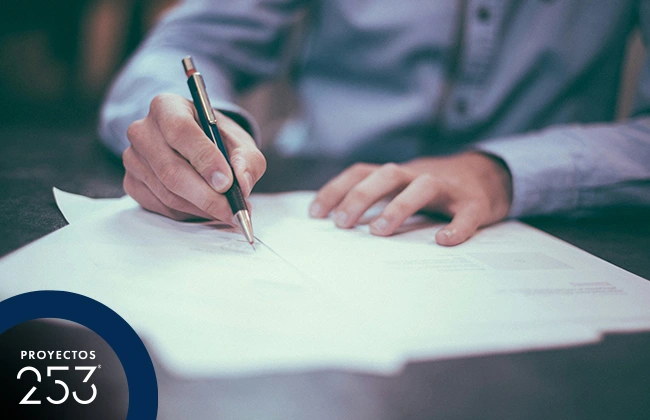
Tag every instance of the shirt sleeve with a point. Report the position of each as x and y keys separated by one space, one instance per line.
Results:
x=577 y=168
x=234 y=44
x=573 y=168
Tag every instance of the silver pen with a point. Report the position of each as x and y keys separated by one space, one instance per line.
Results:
x=209 y=125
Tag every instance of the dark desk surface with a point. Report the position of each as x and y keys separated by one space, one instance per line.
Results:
x=607 y=380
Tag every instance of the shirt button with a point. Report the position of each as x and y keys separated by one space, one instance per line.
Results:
x=461 y=106
x=483 y=14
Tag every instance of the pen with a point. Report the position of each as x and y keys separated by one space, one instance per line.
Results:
x=209 y=125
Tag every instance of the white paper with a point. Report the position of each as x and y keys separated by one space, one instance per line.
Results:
x=504 y=270
x=314 y=296
x=75 y=207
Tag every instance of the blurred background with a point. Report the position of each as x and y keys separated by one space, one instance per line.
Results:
x=58 y=58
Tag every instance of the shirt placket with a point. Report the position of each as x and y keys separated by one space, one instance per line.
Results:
x=479 y=42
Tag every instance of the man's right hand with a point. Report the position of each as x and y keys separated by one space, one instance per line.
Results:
x=173 y=168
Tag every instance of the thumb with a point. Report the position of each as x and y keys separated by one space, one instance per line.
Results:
x=463 y=225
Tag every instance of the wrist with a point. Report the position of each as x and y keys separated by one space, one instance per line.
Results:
x=495 y=173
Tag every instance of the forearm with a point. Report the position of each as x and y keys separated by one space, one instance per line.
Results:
x=154 y=70
x=234 y=44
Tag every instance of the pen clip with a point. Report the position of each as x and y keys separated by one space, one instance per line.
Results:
x=205 y=101
x=192 y=73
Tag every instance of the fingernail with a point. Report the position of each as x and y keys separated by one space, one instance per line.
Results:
x=380 y=225
x=219 y=181
x=315 y=209
x=340 y=218
x=447 y=233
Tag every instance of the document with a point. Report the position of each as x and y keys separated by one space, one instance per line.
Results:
x=506 y=269
x=312 y=296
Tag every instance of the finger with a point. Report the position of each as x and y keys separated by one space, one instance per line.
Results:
x=382 y=182
x=331 y=194
x=178 y=177
x=176 y=173
x=140 y=193
x=418 y=194
x=137 y=167
x=246 y=159
x=463 y=225
x=175 y=118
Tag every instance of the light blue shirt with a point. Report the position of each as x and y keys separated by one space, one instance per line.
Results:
x=533 y=82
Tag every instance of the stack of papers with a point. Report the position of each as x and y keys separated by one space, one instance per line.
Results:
x=312 y=296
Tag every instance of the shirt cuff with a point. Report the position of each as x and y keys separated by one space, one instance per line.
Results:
x=240 y=116
x=543 y=169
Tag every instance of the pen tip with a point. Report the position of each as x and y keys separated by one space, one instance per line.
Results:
x=244 y=220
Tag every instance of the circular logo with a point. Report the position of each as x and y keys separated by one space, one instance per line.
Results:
x=136 y=362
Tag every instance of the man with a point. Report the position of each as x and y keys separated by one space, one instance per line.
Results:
x=492 y=108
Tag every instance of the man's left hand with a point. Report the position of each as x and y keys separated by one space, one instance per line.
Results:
x=472 y=188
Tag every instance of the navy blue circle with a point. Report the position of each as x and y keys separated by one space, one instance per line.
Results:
x=140 y=374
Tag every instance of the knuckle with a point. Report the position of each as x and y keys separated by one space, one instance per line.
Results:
x=127 y=158
x=323 y=195
x=331 y=187
x=259 y=161
x=134 y=132
x=177 y=128
x=147 y=177
x=168 y=199
x=427 y=180
x=204 y=156
x=226 y=122
x=158 y=103
x=360 y=168
x=230 y=126
x=127 y=184
x=212 y=207
x=399 y=207
x=171 y=176
x=359 y=195
x=252 y=161
x=477 y=204
x=392 y=170
x=428 y=183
